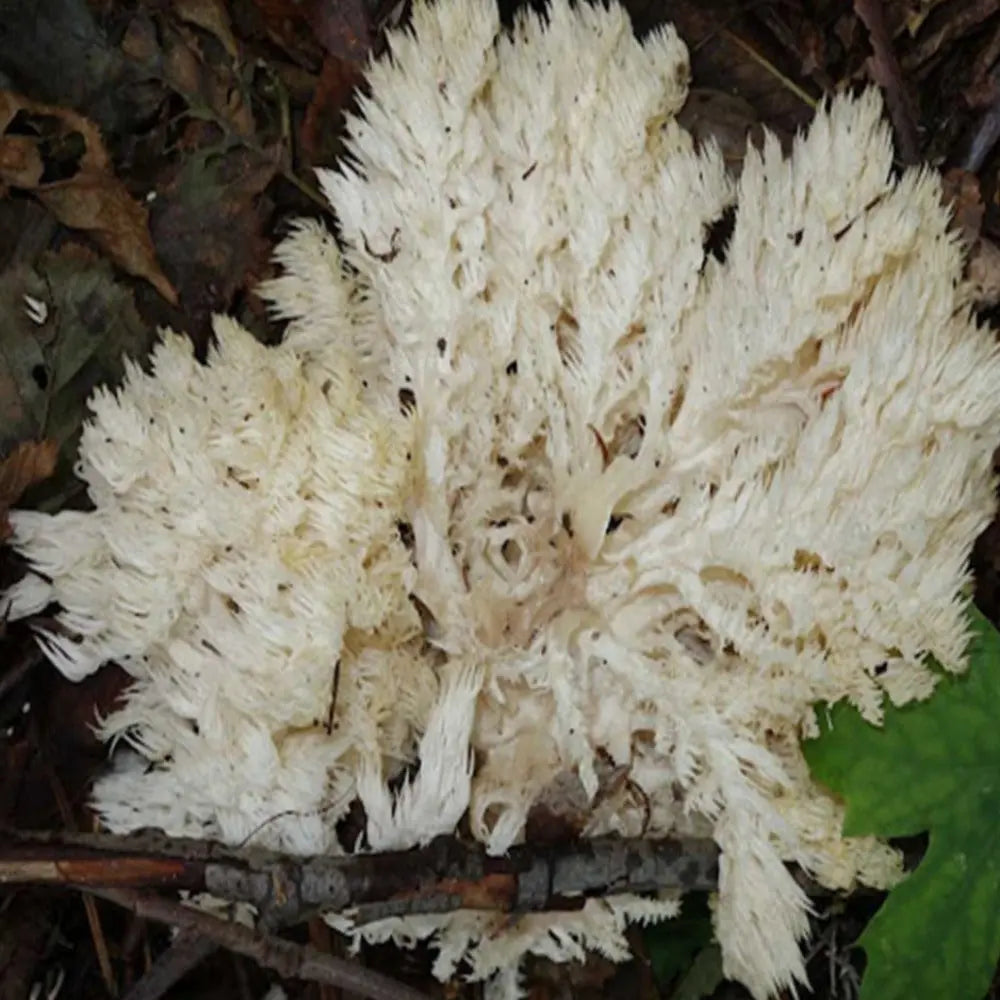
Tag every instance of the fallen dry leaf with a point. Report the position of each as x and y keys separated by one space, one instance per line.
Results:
x=209 y=81
x=961 y=190
x=344 y=28
x=346 y=32
x=54 y=124
x=725 y=119
x=211 y=89
x=288 y=26
x=29 y=463
x=720 y=41
x=100 y=206
x=91 y=198
x=321 y=131
x=59 y=51
x=957 y=19
x=209 y=224
x=20 y=162
x=801 y=38
x=210 y=16
x=984 y=273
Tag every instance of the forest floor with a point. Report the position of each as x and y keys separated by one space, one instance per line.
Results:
x=152 y=152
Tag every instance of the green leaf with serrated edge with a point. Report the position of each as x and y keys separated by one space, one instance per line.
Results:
x=932 y=766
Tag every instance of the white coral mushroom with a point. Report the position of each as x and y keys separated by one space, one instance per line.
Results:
x=654 y=504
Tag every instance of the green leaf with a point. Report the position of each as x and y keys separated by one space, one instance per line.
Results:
x=933 y=766
x=704 y=976
x=673 y=944
x=48 y=369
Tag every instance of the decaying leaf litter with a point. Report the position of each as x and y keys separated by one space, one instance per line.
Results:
x=145 y=182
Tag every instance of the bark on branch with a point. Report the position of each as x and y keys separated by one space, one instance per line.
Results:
x=445 y=875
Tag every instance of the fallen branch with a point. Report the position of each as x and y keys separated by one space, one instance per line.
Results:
x=443 y=876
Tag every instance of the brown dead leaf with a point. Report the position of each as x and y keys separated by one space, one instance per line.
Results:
x=54 y=124
x=984 y=273
x=960 y=190
x=60 y=52
x=322 y=125
x=720 y=38
x=99 y=205
x=182 y=69
x=346 y=32
x=800 y=37
x=943 y=29
x=287 y=25
x=725 y=119
x=209 y=81
x=91 y=198
x=909 y=15
x=20 y=162
x=983 y=88
x=210 y=16
x=343 y=28
x=209 y=225
x=29 y=463
x=139 y=43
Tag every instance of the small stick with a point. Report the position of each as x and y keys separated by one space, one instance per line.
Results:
x=766 y=64
x=289 y=960
x=90 y=908
x=884 y=69
x=186 y=952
